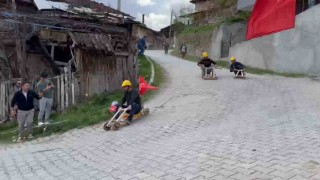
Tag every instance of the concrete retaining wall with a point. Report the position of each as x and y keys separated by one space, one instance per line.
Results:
x=229 y=35
x=294 y=51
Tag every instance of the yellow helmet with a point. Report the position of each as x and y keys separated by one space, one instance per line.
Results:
x=232 y=58
x=126 y=83
x=205 y=54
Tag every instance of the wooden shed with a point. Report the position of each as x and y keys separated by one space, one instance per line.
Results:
x=103 y=61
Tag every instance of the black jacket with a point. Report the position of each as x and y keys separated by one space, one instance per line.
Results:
x=131 y=97
x=236 y=66
x=207 y=62
x=24 y=104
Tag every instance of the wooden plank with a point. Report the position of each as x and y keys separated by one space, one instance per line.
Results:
x=66 y=90
x=2 y=100
x=59 y=63
x=99 y=42
x=122 y=53
x=94 y=41
x=51 y=34
x=52 y=52
x=58 y=94
x=73 y=90
x=10 y=94
x=86 y=40
x=62 y=92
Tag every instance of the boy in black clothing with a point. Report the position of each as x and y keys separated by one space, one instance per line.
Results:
x=206 y=62
x=236 y=66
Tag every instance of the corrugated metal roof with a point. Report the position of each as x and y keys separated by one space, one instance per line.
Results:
x=45 y=4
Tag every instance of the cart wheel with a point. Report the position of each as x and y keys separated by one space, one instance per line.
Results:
x=115 y=126
x=146 y=111
x=105 y=127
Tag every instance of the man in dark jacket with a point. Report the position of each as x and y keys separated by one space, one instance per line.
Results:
x=166 y=47
x=236 y=66
x=131 y=100
x=142 y=44
x=24 y=100
x=206 y=62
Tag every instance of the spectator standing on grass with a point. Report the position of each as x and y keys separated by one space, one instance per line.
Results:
x=24 y=100
x=45 y=87
x=183 y=50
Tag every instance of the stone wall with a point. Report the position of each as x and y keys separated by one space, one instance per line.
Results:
x=199 y=42
x=196 y=43
x=293 y=51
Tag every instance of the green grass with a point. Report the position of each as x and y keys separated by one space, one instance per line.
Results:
x=242 y=16
x=270 y=72
x=86 y=114
x=209 y=28
x=251 y=70
x=145 y=71
x=145 y=67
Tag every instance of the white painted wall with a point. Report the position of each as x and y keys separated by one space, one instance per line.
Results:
x=294 y=51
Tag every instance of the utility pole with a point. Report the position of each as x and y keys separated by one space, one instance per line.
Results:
x=119 y=5
x=170 y=26
x=143 y=16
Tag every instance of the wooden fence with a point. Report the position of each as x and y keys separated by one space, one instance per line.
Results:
x=66 y=94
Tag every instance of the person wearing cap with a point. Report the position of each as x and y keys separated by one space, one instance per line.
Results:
x=236 y=66
x=131 y=100
x=45 y=87
x=206 y=62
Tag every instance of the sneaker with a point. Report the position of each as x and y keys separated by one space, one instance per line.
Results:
x=20 y=140
x=40 y=124
x=30 y=136
x=128 y=122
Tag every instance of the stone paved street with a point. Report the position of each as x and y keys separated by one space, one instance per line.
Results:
x=265 y=127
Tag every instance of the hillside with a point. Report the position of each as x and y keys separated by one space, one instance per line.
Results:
x=199 y=35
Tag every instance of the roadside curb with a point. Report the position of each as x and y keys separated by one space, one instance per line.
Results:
x=152 y=70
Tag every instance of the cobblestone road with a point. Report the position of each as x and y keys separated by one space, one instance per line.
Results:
x=264 y=127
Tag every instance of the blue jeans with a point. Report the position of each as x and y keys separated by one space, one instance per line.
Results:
x=135 y=109
x=141 y=50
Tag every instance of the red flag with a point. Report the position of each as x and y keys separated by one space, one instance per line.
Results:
x=271 y=16
x=144 y=86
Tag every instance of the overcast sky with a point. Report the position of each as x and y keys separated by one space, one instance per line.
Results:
x=157 y=11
